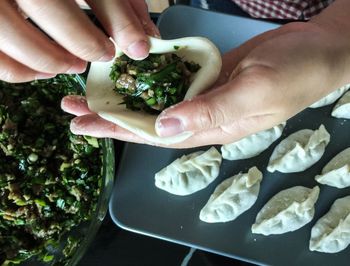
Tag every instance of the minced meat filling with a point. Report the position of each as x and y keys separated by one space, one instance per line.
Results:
x=152 y=84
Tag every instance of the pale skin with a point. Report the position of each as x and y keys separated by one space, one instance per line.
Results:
x=26 y=53
x=274 y=76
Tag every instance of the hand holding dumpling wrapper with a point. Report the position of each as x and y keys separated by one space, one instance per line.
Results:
x=103 y=100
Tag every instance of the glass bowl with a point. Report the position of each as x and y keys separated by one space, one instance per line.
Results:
x=86 y=231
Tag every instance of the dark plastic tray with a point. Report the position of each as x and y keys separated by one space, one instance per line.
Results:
x=137 y=205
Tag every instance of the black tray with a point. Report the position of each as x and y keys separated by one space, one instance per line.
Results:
x=137 y=205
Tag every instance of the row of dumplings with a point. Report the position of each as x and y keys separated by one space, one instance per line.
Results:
x=287 y=211
x=296 y=153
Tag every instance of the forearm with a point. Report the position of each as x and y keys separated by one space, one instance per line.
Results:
x=334 y=25
x=335 y=18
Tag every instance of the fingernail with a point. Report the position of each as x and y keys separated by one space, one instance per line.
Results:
x=167 y=127
x=44 y=76
x=75 y=126
x=77 y=68
x=74 y=99
x=138 y=50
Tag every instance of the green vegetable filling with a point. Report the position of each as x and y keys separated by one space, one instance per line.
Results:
x=152 y=84
x=49 y=178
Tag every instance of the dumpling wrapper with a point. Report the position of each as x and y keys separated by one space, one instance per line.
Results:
x=331 y=233
x=252 y=145
x=190 y=173
x=342 y=108
x=106 y=103
x=232 y=197
x=330 y=98
x=299 y=151
x=287 y=211
x=336 y=173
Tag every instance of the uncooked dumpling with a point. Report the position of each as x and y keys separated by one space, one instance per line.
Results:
x=342 y=108
x=299 y=150
x=287 y=211
x=331 y=233
x=337 y=172
x=232 y=197
x=190 y=173
x=252 y=145
x=330 y=98
x=104 y=101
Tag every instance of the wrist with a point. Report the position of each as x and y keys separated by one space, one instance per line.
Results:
x=334 y=26
x=335 y=19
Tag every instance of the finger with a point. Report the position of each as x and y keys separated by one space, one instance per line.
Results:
x=229 y=133
x=95 y=126
x=25 y=44
x=141 y=10
x=12 y=71
x=121 y=22
x=69 y=27
x=247 y=95
x=75 y=104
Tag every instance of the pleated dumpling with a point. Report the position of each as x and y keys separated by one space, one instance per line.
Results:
x=331 y=233
x=299 y=150
x=190 y=173
x=232 y=197
x=337 y=172
x=342 y=108
x=287 y=211
x=252 y=145
x=330 y=98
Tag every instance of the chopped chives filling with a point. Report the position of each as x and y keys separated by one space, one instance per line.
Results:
x=152 y=84
x=50 y=179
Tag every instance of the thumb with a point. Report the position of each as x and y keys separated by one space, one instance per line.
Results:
x=248 y=95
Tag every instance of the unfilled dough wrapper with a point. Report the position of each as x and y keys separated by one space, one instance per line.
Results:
x=331 y=233
x=232 y=197
x=252 y=145
x=337 y=172
x=287 y=211
x=106 y=103
x=330 y=98
x=342 y=108
x=190 y=173
x=299 y=150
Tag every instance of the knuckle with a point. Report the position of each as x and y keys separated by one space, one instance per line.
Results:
x=53 y=64
x=92 y=50
x=128 y=33
x=209 y=116
x=12 y=76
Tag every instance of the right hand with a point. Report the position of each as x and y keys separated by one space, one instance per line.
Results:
x=26 y=53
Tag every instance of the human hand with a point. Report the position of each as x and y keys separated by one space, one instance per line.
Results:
x=274 y=76
x=26 y=53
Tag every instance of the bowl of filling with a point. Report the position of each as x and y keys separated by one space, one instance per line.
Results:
x=54 y=185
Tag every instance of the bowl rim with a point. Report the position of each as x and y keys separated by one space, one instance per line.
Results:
x=108 y=172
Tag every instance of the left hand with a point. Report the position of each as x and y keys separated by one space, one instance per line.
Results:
x=274 y=76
